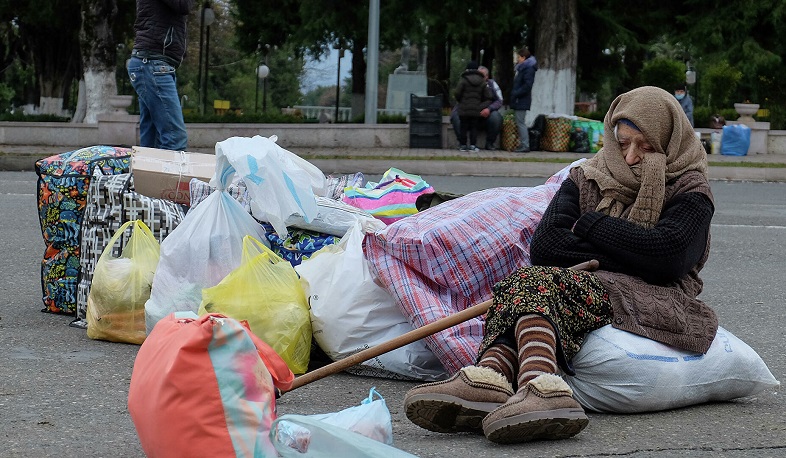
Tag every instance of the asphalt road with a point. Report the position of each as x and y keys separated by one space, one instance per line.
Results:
x=64 y=395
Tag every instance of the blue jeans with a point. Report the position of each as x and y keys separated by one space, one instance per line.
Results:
x=161 y=122
x=521 y=124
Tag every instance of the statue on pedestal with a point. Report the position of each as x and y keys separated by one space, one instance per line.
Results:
x=406 y=51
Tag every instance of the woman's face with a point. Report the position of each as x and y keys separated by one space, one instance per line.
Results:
x=633 y=144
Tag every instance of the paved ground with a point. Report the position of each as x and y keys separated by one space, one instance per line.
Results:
x=64 y=395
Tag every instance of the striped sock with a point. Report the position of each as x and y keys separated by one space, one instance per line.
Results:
x=537 y=348
x=502 y=359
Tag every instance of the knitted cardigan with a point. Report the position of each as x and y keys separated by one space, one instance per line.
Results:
x=651 y=275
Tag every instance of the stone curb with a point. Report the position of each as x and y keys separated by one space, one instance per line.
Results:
x=433 y=162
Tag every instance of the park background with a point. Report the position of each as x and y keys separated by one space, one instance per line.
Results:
x=63 y=60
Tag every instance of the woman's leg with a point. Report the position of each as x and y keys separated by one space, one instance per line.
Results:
x=537 y=347
x=543 y=406
x=501 y=358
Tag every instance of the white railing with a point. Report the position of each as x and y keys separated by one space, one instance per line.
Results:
x=344 y=113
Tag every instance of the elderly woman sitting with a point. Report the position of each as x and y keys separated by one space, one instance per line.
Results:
x=642 y=208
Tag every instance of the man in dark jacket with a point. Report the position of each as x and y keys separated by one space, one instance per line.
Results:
x=159 y=47
x=473 y=96
x=490 y=117
x=521 y=95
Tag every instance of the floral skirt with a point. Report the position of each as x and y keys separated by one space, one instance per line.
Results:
x=575 y=301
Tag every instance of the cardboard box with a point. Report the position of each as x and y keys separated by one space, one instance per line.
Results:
x=165 y=174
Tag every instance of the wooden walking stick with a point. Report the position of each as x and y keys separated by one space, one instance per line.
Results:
x=406 y=339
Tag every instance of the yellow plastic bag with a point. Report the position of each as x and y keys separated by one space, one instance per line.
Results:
x=265 y=291
x=121 y=286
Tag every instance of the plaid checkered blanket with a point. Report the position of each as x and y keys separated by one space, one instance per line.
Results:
x=447 y=258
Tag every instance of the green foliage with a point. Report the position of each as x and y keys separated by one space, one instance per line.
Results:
x=718 y=82
x=6 y=95
x=664 y=73
x=391 y=119
x=232 y=117
x=702 y=114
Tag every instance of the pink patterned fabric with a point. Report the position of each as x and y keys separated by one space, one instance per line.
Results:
x=447 y=258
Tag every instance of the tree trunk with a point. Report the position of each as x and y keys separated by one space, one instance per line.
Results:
x=556 y=50
x=438 y=64
x=81 y=102
x=56 y=61
x=99 y=56
x=505 y=48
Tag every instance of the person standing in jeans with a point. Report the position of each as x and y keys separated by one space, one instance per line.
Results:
x=521 y=95
x=159 y=46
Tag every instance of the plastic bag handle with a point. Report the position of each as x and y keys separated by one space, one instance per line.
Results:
x=138 y=224
x=250 y=244
x=371 y=393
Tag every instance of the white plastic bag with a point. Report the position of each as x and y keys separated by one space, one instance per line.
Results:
x=617 y=371
x=200 y=252
x=334 y=217
x=361 y=431
x=350 y=312
x=279 y=182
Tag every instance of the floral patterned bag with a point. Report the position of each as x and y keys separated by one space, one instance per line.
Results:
x=63 y=182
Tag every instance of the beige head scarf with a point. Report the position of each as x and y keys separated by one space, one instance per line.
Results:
x=659 y=116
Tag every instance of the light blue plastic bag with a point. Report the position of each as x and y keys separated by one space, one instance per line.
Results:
x=325 y=435
x=736 y=140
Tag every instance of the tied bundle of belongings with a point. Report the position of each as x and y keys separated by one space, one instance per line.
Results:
x=392 y=198
x=735 y=140
x=205 y=386
x=617 y=371
x=121 y=286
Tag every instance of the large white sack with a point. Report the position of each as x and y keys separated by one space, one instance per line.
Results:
x=617 y=371
x=349 y=313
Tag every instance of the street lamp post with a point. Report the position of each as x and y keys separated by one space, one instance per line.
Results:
x=262 y=72
x=207 y=18
x=690 y=79
x=338 y=79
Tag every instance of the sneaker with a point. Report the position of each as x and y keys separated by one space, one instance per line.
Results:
x=474 y=148
x=459 y=403
x=521 y=150
x=490 y=147
x=463 y=148
x=543 y=410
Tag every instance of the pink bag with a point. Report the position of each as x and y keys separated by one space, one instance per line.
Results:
x=392 y=198
x=205 y=386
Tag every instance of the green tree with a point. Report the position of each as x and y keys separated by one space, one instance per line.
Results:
x=719 y=81
x=748 y=34
x=48 y=42
x=664 y=73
